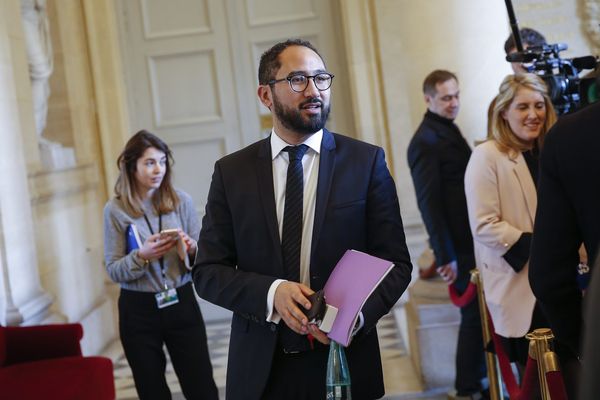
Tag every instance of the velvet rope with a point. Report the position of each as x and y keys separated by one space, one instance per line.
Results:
x=556 y=385
x=530 y=383
x=461 y=300
x=530 y=386
x=504 y=363
x=531 y=370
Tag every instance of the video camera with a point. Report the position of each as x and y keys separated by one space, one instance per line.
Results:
x=567 y=90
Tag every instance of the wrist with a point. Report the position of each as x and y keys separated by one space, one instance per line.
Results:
x=193 y=246
x=142 y=258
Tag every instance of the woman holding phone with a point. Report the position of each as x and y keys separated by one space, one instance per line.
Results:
x=157 y=305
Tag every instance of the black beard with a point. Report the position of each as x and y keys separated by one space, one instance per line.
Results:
x=293 y=120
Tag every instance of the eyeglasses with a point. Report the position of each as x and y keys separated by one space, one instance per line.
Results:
x=299 y=83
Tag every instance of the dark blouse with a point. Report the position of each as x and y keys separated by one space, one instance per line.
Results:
x=532 y=158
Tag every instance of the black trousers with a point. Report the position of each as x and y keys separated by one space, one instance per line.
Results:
x=470 y=357
x=145 y=328
x=299 y=376
x=517 y=349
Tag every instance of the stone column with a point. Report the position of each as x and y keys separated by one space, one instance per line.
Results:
x=22 y=299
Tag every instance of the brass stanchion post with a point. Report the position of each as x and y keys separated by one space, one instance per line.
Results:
x=540 y=341
x=490 y=359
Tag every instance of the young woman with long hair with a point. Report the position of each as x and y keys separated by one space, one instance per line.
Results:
x=157 y=305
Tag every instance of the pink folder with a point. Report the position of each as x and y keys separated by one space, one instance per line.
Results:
x=352 y=281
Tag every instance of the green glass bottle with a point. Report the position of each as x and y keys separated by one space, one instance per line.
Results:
x=338 y=375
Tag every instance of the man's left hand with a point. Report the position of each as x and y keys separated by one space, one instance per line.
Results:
x=448 y=272
x=318 y=334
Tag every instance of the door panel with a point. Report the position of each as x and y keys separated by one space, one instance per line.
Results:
x=256 y=25
x=180 y=86
x=191 y=73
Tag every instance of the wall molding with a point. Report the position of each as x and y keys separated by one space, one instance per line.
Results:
x=591 y=22
x=45 y=186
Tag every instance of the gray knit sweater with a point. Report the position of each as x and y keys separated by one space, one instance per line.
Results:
x=128 y=269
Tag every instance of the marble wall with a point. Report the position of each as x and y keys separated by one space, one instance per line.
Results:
x=463 y=36
x=51 y=243
x=562 y=21
x=22 y=297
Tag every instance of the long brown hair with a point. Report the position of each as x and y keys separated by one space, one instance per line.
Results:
x=499 y=129
x=164 y=199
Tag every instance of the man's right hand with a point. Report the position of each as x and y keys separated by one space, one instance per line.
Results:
x=448 y=272
x=289 y=301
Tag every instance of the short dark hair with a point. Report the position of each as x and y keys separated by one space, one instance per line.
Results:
x=269 y=61
x=435 y=77
x=529 y=36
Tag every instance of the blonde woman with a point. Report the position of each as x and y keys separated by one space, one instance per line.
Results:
x=500 y=186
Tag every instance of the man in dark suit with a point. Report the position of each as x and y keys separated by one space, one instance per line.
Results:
x=438 y=155
x=590 y=384
x=247 y=262
x=568 y=214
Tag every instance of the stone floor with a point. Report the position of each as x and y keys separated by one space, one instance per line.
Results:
x=400 y=378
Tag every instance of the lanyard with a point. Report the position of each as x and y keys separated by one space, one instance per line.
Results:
x=160 y=260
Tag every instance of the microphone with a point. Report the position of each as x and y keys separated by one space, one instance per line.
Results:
x=561 y=46
x=586 y=62
x=521 y=56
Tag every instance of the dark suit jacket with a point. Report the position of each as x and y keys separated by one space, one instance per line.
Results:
x=239 y=253
x=568 y=214
x=437 y=156
x=590 y=384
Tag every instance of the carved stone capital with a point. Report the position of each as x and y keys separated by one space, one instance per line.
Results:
x=591 y=22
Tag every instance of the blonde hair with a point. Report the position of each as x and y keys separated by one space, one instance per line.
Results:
x=498 y=128
x=165 y=198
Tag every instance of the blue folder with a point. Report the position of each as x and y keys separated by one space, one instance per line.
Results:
x=132 y=238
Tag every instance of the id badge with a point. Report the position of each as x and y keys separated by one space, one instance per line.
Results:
x=166 y=298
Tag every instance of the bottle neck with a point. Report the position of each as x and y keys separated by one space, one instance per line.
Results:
x=337 y=366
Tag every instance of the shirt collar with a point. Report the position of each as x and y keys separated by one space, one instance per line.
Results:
x=437 y=117
x=278 y=144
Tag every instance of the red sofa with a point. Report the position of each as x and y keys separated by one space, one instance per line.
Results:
x=45 y=362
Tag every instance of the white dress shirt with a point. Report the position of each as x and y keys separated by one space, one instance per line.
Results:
x=310 y=166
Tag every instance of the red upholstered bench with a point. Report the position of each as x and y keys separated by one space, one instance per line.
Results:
x=45 y=362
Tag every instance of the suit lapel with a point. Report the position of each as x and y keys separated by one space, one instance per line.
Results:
x=527 y=185
x=326 y=170
x=264 y=172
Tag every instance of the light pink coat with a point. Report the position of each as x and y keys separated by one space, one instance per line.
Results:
x=501 y=200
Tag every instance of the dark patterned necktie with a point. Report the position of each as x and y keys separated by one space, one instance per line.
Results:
x=291 y=236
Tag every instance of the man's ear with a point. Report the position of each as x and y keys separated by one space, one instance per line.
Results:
x=265 y=95
x=427 y=99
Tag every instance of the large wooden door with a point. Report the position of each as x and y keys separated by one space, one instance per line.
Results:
x=191 y=73
x=256 y=25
